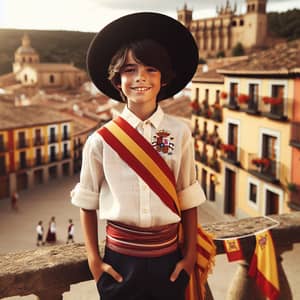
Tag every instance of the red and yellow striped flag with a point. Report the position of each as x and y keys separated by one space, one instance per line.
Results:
x=233 y=249
x=263 y=266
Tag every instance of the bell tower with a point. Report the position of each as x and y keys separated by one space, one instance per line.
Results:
x=185 y=16
x=256 y=22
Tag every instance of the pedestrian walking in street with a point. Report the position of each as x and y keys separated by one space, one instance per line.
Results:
x=40 y=234
x=14 y=201
x=51 y=234
x=70 y=232
x=139 y=169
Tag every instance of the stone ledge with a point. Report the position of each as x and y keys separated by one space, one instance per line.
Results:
x=57 y=267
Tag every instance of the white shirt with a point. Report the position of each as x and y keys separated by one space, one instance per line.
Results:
x=108 y=184
x=39 y=229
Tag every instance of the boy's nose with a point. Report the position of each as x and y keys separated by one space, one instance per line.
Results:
x=141 y=75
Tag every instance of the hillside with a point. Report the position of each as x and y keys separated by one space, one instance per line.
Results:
x=285 y=25
x=53 y=46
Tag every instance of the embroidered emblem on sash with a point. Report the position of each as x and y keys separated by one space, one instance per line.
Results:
x=163 y=142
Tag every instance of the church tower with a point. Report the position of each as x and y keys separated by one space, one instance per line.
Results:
x=256 y=22
x=25 y=54
x=185 y=16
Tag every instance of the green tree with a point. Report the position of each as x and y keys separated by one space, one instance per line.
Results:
x=238 y=50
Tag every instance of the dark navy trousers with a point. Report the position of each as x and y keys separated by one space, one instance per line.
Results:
x=143 y=278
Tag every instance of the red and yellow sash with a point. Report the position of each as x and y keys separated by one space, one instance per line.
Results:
x=139 y=154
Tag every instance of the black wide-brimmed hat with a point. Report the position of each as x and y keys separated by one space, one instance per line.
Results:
x=168 y=32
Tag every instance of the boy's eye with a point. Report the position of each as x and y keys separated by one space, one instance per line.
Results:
x=152 y=69
x=128 y=70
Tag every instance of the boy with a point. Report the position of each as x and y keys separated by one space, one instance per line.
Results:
x=40 y=233
x=141 y=59
x=70 y=232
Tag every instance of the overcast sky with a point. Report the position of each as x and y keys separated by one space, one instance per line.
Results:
x=92 y=15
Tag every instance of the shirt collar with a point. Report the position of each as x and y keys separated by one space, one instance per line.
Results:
x=155 y=119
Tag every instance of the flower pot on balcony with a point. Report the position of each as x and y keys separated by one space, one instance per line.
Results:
x=223 y=95
x=242 y=98
x=228 y=147
x=272 y=100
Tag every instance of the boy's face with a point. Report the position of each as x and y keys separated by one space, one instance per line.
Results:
x=139 y=83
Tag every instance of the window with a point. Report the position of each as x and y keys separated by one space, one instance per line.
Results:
x=2 y=148
x=253 y=193
x=206 y=94
x=197 y=94
x=51 y=79
x=233 y=93
x=218 y=96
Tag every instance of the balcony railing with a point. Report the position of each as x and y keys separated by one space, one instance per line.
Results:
x=294 y=202
x=3 y=171
x=66 y=154
x=23 y=164
x=22 y=144
x=65 y=136
x=229 y=154
x=3 y=148
x=52 y=139
x=38 y=141
x=295 y=135
x=217 y=112
x=53 y=158
x=276 y=108
x=48 y=272
x=264 y=168
x=39 y=160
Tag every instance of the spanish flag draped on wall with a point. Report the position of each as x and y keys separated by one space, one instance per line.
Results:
x=263 y=266
x=233 y=250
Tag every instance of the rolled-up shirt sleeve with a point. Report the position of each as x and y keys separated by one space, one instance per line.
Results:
x=86 y=192
x=189 y=191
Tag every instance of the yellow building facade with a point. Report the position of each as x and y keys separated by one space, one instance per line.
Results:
x=252 y=141
x=33 y=149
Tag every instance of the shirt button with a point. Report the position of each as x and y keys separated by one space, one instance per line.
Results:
x=145 y=211
x=144 y=187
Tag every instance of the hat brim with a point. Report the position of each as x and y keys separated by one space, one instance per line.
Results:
x=168 y=32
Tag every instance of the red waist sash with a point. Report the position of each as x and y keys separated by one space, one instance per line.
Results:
x=141 y=242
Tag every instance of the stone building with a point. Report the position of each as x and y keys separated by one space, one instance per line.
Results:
x=30 y=72
x=222 y=33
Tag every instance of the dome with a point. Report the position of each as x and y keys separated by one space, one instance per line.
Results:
x=25 y=48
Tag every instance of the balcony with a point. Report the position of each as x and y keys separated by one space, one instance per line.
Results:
x=22 y=144
x=264 y=168
x=276 y=108
x=229 y=154
x=214 y=164
x=48 y=272
x=232 y=103
x=65 y=137
x=52 y=139
x=23 y=164
x=3 y=171
x=217 y=113
x=3 y=148
x=66 y=155
x=38 y=141
x=295 y=135
x=39 y=160
x=53 y=158
x=294 y=192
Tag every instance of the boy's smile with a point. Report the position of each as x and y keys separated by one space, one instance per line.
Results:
x=139 y=83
